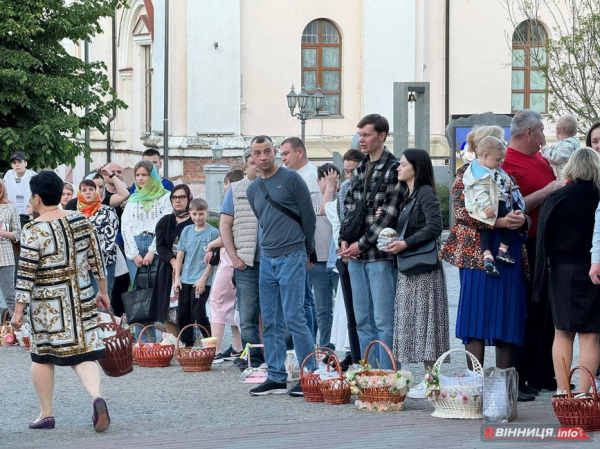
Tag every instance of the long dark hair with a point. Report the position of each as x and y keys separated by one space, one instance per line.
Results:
x=588 y=137
x=422 y=166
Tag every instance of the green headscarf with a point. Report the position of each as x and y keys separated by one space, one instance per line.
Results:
x=152 y=190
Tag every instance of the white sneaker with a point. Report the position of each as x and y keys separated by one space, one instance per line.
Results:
x=418 y=392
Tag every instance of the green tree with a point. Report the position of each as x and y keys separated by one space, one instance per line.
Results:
x=571 y=64
x=43 y=89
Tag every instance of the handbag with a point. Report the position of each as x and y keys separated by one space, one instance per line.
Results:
x=352 y=227
x=215 y=258
x=421 y=259
x=137 y=302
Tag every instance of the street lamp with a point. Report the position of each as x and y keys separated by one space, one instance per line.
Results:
x=301 y=100
x=217 y=152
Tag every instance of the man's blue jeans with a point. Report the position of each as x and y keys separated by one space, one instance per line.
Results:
x=248 y=301
x=282 y=287
x=325 y=282
x=374 y=293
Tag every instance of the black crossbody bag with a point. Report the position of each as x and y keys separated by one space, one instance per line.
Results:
x=284 y=210
x=421 y=259
x=352 y=227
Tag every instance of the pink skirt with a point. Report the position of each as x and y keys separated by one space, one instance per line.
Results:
x=222 y=293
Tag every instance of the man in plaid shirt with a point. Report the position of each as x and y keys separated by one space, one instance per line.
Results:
x=372 y=274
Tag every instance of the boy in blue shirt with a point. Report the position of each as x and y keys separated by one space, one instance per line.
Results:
x=195 y=278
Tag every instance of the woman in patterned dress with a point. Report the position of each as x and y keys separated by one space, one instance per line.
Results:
x=58 y=250
x=104 y=218
x=421 y=316
x=10 y=231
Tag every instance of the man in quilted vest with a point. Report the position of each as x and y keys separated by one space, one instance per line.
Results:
x=240 y=235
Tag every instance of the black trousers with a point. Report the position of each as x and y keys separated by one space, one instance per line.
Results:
x=486 y=236
x=533 y=360
x=347 y=293
x=192 y=310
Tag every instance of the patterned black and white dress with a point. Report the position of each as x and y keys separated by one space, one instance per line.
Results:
x=54 y=279
x=421 y=331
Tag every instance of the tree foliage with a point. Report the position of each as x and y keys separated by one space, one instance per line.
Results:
x=572 y=65
x=43 y=89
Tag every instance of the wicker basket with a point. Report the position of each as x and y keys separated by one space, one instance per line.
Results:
x=379 y=394
x=310 y=382
x=448 y=403
x=136 y=346
x=580 y=412
x=335 y=391
x=7 y=334
x=119 y=358
x=150 y=355
x=193 y=360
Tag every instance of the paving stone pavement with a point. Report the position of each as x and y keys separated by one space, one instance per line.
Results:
x=154 y=407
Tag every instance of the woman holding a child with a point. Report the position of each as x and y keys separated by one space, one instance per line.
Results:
x=491 y=310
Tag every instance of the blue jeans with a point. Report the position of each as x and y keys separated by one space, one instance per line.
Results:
x=309 y=306
x=248 y=301
x=374 y=293
x=110 y=279
x=282 y=288
x=143 y=242
x=325 y=282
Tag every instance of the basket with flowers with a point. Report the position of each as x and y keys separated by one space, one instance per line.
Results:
x=459 y=396
x=379 y=390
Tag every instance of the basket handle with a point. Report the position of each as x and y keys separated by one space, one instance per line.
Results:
x=185 y=327
x=4 y=315
x=162 y=329
x=135 y=324
x=587 y=371
x=338 y=367
x=318 y=351
x=387 y=349
x=476 y=365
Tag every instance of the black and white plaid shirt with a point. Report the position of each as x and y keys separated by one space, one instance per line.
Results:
x=388 y=198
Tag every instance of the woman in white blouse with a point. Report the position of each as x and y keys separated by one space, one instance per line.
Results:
x=149 y=202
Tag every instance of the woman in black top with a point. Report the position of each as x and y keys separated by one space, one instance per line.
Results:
x=565 y=231
x=167 y=234
x=421 y=331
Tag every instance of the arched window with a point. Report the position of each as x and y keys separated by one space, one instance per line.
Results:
x=322 y=63
x=529 y=85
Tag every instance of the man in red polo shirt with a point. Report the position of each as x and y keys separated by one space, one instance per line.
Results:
x=535 y=180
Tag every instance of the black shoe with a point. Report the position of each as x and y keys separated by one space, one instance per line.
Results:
x=296 y=390
x=345 y=364
x=269 y=387
x=505 y=258
x=490 y=268
x=254 y=363
x=525 y=397
x=231 y=354
x=528 y=390
x=545 y=384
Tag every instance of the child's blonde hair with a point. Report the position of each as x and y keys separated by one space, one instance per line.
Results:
x=489 y=144
x=567 y=124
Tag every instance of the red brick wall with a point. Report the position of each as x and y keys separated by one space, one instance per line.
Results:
x=193 y=167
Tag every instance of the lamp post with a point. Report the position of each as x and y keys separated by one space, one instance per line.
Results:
x=217 y=152
x=301 y=100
